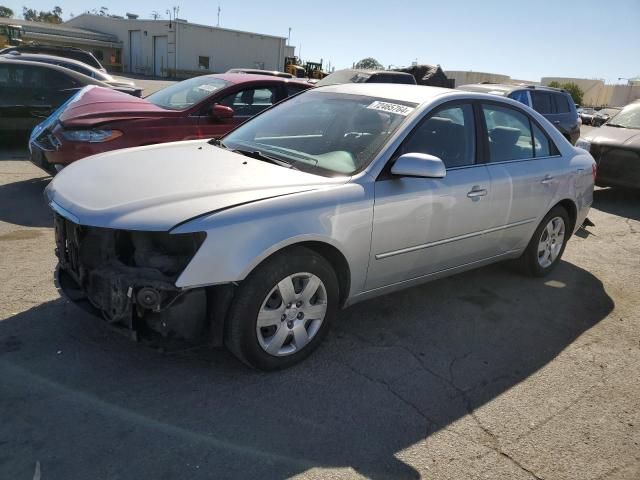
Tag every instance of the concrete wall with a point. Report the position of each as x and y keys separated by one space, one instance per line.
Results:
x=599 y=94
x=186 y=42
x=465 y=78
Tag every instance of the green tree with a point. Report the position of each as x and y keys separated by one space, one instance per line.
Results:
x=5 y=12
x=369 y=63
x=574 y=90
x=53 y=16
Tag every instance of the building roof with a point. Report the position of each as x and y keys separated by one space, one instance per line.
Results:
x=42 y=32
x=165 y=21
x=59 y=29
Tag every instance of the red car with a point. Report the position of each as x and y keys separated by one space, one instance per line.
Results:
x=98 y=119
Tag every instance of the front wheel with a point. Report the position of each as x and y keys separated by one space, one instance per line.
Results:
x=547 y=245
x=282 y=310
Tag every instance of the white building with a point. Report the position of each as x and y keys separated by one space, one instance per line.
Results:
x=182 y=49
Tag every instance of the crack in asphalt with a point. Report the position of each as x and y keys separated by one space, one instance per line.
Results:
x=494 y=445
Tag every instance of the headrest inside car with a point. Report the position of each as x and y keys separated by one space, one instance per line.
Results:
x=504 y=135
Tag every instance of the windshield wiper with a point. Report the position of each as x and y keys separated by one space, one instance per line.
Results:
x=258 y=155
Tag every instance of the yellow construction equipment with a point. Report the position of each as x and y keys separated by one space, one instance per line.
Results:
x=292 y=66
x=314 y=70
x=10 y=35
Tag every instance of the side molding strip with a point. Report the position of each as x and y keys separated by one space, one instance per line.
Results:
x=381 y=256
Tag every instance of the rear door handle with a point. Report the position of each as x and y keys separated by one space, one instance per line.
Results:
x=556 y=122
x=546 y=180
x=476 y=192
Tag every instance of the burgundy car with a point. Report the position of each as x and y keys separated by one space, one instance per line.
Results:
x=98 y=120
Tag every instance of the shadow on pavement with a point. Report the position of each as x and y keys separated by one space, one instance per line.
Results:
x=23 y=203
x=87 y=403
x=618 y=201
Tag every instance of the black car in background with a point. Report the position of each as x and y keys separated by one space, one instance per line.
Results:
x=586 y=115
x=555 y=104
x=615 y=146
x=31 y=91
x=66 y=52
x=79 y=67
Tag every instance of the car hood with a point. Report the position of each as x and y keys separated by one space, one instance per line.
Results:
x=95 y=105
x=628 y=137
x=156 y=187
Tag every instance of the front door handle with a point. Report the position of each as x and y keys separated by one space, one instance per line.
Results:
x=556 y=122
x=477 y=192
x=547 y=180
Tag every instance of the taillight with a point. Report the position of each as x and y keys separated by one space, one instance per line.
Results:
x=594 y=170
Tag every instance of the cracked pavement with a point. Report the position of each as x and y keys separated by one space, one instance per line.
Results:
x=485 y=375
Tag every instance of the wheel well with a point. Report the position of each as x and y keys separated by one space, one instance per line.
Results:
x=337 y=261
x=571 y=209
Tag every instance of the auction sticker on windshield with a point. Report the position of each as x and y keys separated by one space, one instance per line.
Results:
x=391 y=108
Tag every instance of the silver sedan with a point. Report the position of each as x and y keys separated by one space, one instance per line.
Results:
x=337 y=195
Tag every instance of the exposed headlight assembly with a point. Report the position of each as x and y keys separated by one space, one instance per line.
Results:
x=91 y=136
x=584 y=144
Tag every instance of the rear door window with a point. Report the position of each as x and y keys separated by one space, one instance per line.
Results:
x=561 y=103
x=509 y=134
x=542 y=102
x=58 y=81
x=251 y=101
x=293 y=89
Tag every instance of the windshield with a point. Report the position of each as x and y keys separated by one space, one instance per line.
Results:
x=325 y=133
x=183 y=95
x=629 y=117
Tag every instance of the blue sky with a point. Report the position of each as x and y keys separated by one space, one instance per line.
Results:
x=526 y=40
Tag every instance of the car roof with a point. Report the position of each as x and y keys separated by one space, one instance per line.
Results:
x=238 y=78
x=393 y=91
x=85 y=80
x=42 y=56
x=505 y=89
x=257 y=71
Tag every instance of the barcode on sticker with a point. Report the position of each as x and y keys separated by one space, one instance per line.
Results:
x=391 y=108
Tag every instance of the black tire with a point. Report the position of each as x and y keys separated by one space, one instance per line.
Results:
x=528 y=262
x=241 y=337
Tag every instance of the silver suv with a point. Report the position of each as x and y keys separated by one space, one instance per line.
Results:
x=340 y=194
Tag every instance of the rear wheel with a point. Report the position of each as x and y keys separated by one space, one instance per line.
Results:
x=282 y=310
x=547 y=245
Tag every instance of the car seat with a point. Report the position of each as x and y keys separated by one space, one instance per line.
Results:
x=503 y=144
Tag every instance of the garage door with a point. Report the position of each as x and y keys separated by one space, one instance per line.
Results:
x=135 y=52
x=160 y=56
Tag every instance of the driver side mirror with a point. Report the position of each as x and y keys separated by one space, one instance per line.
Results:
x=221 y=112
x=419 y=165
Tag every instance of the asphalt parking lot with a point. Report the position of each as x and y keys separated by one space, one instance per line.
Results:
x=484 y=375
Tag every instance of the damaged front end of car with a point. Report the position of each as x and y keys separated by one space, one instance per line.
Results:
x=129 y=278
